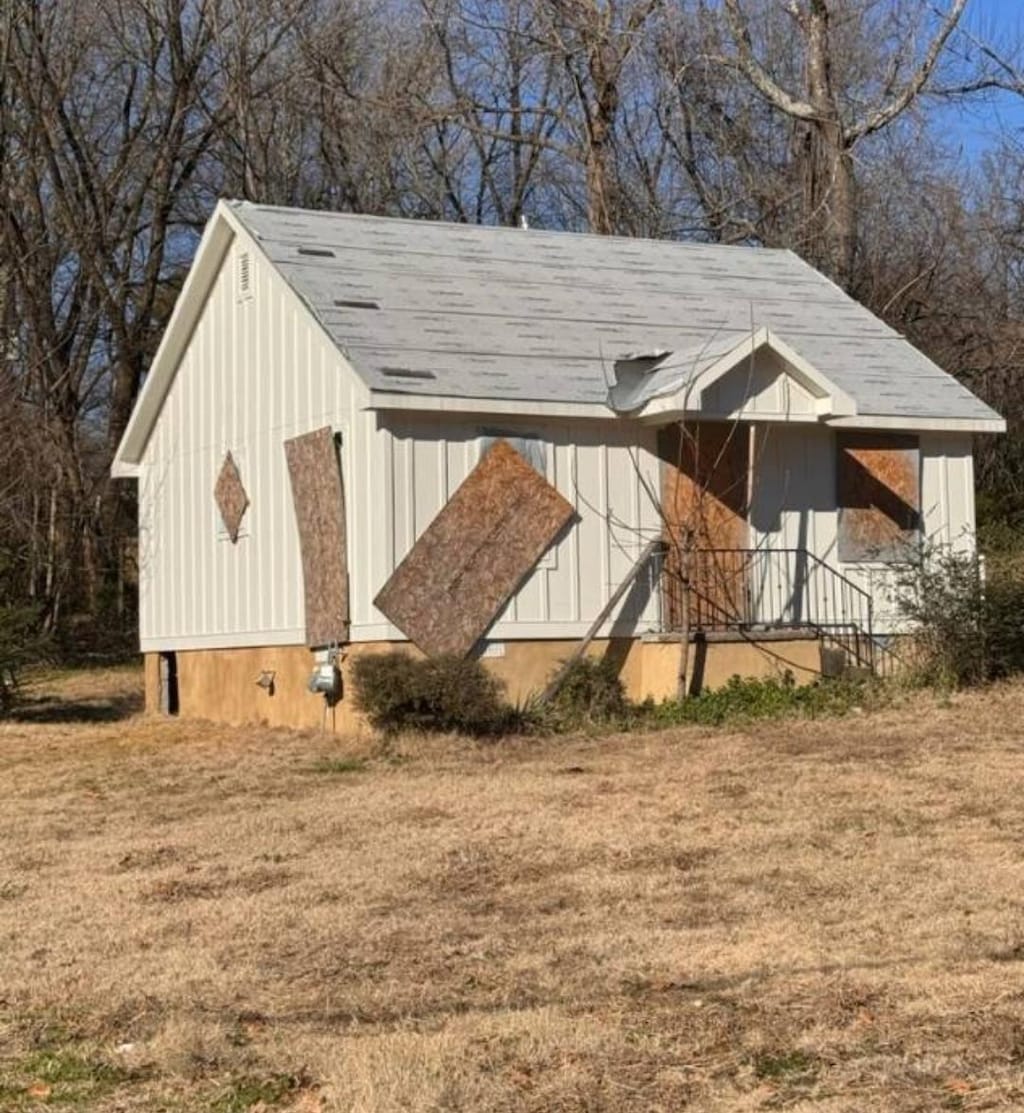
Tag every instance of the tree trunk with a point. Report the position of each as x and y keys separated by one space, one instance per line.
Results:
x=827 y=169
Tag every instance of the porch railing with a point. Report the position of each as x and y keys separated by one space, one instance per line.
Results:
x=775 y=589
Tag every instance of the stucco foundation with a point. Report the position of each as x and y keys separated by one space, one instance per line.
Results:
x=220 y=684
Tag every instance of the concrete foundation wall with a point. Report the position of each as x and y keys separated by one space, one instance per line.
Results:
x=221 y=684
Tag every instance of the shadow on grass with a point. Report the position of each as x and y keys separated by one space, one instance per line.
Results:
x=57 y=709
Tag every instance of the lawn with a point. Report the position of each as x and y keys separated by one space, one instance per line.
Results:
x=802 y=915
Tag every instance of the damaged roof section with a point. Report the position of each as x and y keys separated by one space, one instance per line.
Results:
x=501 y=314
x=686 y=379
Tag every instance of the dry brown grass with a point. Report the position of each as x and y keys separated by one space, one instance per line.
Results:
x=805 y=915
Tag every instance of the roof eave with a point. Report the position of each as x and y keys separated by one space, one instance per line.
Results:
x=925 y=424
x=520 y=407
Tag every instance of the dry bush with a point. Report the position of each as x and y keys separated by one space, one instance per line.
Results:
x=400 y=692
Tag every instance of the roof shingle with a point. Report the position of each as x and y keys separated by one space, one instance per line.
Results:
x=497 y=313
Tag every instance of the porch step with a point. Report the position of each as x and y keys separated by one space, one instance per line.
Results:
x=747 y=634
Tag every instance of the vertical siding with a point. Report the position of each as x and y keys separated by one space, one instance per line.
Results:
x=260 y=371
x=595 y=466
x=794 y=506
x=254 y=374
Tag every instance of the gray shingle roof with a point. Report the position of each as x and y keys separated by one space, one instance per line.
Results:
x=498 y=313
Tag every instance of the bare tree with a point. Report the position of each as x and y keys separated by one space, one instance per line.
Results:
x=110 y=112
x=833 y=118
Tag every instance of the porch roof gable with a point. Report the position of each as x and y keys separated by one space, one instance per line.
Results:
x=683 y=383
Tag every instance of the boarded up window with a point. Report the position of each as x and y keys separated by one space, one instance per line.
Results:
x=535 y=452
x=231 y=499
x=532 y=450
x=474 y=554
x=319 y=500
x=879 y=496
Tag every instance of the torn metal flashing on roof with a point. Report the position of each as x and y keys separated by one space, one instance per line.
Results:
x=638 y=381
x=682 y=384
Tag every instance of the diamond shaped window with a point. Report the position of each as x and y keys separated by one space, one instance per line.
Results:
x=232 y=500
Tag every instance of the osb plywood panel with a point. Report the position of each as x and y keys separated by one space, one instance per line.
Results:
x=879 y=495
x=467 y=563
x=705 y=470
x=231 y=497
x=319 y=499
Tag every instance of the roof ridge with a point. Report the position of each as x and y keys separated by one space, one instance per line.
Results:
x=239 y=204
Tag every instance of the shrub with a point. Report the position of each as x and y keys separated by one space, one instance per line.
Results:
x=768 y=698
x=968 y=620
x=590 y=692
x=19 y=646
x=401 y=692
x=593 y=695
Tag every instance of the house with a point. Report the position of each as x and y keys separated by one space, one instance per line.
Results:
x=362 y=432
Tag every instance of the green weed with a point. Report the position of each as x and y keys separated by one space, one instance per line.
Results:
x=59 y=1077
x=786 y=1066
x=241 y=1094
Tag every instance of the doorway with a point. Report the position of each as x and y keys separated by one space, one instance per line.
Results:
x=705 y=500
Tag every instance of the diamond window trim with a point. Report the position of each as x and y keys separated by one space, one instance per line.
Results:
x=231 y=498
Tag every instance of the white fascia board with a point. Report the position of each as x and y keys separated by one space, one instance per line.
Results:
x=688 y=401
x=922 y=424
x=765 y=417
x=505 y=407
x=213 y=246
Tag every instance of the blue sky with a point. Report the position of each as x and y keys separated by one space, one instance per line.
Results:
x=978 y=126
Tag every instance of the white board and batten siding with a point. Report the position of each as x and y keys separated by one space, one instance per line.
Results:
x=793 y=505
x=258 y=370
x=255 y=372
x=603 y=469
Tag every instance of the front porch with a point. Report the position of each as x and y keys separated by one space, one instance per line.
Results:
x=785 y=512
x=764 y=595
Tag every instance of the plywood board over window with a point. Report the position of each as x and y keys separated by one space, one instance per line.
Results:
x=879 y=496
x=319 y=499
x=470 y=559
x=705 y=470
x=230 y=495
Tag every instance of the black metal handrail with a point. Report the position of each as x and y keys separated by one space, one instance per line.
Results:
x=772 y=589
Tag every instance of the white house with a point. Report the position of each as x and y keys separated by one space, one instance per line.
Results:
x=328 y=382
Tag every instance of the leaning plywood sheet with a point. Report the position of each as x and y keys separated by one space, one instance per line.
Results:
x=472 y=556
x=319 y=500
x=879 y=494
